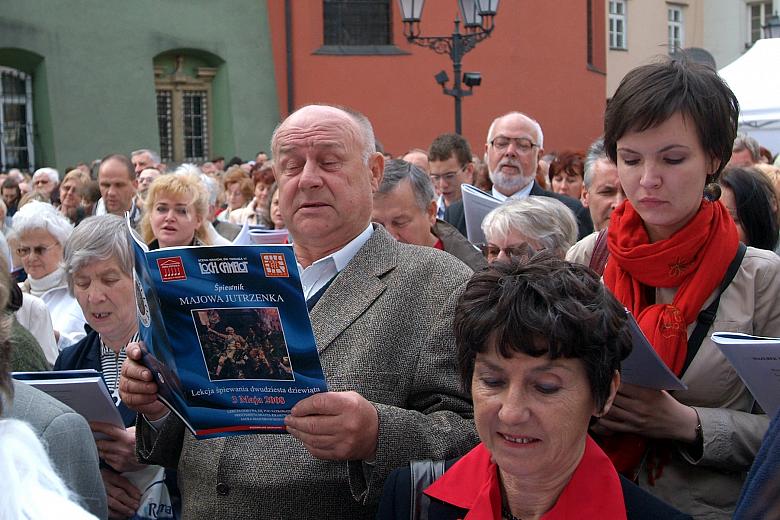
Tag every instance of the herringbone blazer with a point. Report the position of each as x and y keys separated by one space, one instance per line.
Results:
x=383 y=329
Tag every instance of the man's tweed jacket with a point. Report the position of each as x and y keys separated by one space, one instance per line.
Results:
x=383 y=329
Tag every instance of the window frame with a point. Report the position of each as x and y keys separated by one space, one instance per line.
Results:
x=332 y=45
x=765 y=11
x=675 y=42
x=25 y=99
x=618 y=38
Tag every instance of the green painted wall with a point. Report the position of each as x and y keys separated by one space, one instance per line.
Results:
x=93 y=71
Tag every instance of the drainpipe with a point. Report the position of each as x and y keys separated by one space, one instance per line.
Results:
x=289 y=61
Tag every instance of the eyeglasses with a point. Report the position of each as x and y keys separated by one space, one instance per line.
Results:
x=520 y=251
x=448 y=176
x=522 y=144
x=24 y=251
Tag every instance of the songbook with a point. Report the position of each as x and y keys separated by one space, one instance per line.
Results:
x=226 y=333
x=258 y=235
x=643 y=367
x=757 y=361
x=476 y=205
x=83 y=390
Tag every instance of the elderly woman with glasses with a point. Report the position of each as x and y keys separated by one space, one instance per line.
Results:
x=38 y=236
x=98 y=266
x=539 y=347
x=523 y=226
x=71 y=188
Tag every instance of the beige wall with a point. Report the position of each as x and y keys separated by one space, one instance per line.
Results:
x=646 y=31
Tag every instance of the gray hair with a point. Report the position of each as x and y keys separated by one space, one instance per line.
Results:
x=53 y=174
x=41 y=215
x=98 y=238
x=534 y=123
x=154 y=156
x=366 y=131
x=596 y=152
x=213 y=188
x=542 y=219
x=745 y=142
x=397 y=171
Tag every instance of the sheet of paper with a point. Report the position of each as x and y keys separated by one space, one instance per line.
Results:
x=757 y=361
x=476 y=205
x=86 y=394
x=643 y=367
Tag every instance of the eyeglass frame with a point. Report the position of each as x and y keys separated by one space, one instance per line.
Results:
x=438 y=177
x=520 y=250
x=39 y=251
x=518 y=143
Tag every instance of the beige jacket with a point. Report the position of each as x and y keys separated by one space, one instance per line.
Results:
x=732 y=426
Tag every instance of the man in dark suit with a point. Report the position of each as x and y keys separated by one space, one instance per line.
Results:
x=382 y=317
x=513 y=147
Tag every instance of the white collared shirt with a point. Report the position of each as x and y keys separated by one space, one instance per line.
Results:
x=518 y=195
x=441 y=206
x=318 y=274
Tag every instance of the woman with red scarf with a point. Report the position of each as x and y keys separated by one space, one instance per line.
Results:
x=669 y=128
x=539 y=349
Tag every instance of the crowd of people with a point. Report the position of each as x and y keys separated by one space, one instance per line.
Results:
x=496 y=362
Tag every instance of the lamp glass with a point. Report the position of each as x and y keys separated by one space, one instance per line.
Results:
x=468 y=11
x=772 y=27
x=487 y=7
x=411 y=10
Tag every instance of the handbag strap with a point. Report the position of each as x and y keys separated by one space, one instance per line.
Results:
x=423 y=474
x=707 y=317
x=598 y=258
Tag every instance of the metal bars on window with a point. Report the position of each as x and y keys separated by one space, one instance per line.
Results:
x=165 y=124
x=357 y=22
x=196 y=131
x=17 y=148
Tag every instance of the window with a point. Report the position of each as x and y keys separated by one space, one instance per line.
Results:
x=617 y=24
x=183 y=112
x=357 y=22
x=758 y=12
x=675 y=24
x=16 y=122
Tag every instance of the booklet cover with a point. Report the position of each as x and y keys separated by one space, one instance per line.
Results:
x=757 y=361
x=476 y=205
x=643 y=367
x=83 y=390
x=227 y=335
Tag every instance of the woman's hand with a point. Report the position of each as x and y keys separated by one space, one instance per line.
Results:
x=118 y=451
x=137 y=387
x=123 y=497
x=649 y=412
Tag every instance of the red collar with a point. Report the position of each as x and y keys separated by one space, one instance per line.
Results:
x=594 y=490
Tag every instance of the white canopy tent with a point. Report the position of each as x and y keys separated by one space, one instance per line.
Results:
x=755 y=79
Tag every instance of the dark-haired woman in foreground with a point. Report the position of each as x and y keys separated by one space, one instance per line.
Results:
x=539 y=348
x=670 y=128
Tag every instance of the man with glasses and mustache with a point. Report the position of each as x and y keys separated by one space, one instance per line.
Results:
x=512 y=150
x=450 y=162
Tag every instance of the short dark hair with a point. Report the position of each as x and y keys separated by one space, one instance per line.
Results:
x=756 y=205
x=568 y=162
x=10 y=183
x=447 y=145
x=125 y=160
x=651 y=94
x=545 y=306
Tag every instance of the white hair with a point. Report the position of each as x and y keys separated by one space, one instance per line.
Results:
x=154 y=156
x=544 y=220
x=41 y=215
x=31 y=488
x=53 y=175
x=534 y=123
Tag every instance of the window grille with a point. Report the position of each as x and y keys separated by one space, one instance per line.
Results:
x=357 y=22
x=16 y=121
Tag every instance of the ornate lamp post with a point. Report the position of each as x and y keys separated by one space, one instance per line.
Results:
x=478 y=23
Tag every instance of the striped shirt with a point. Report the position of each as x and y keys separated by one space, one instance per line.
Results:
x=111 y=366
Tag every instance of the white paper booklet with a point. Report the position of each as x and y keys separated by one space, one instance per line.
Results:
x=643 y=367
x=757 y=361
x=83 y=390
x=476 y=205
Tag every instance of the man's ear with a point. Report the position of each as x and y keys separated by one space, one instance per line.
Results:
x=613 y=388
x=376 y=163
x=433 y=208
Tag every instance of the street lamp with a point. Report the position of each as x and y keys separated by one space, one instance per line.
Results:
x=477 y=18
x=772 y=27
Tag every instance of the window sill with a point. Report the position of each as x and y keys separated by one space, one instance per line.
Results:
x=620 y=49
x=360 y=50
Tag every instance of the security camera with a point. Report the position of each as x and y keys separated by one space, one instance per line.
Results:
x=472 y=79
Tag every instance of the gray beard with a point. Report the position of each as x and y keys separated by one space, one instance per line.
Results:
x=509 y=183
